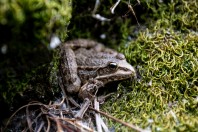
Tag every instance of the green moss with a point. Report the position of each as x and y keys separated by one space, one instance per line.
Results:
x=178 y=14
x=25 y=29
x=164 y=48
x=165 y=97
x=53 y=71
x=35 y=19
x=168 y=59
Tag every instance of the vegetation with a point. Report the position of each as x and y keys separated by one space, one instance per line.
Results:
x=164 y=97
x=26 y=28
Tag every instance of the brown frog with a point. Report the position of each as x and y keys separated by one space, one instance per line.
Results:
x=87 y=65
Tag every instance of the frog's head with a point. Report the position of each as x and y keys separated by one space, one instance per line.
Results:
x=116 y=69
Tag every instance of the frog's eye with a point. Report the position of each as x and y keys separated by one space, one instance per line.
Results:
x=113 y=65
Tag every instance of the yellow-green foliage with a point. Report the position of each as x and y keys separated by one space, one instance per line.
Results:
x=35 y=18
x=165 y=97
x=170 y=62
x=178 y=14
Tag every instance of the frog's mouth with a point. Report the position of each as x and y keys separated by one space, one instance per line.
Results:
x=119 y=75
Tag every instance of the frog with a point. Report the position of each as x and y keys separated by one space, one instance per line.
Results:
x=87 y=65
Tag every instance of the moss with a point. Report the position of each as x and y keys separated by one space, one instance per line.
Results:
x=168 y=59
x=164 y=50
x=164 y=97
x=36 y=19
x=53 y=71
x=178 y=14
x=25 y=29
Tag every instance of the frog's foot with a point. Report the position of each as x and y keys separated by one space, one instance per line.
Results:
x=90 y=89
x=102 y=98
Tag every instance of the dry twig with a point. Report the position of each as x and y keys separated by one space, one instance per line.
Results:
x=117 y=120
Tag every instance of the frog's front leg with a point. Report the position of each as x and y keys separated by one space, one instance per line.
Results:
x=68 y=65
x=68 y=71
x=89 y=89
